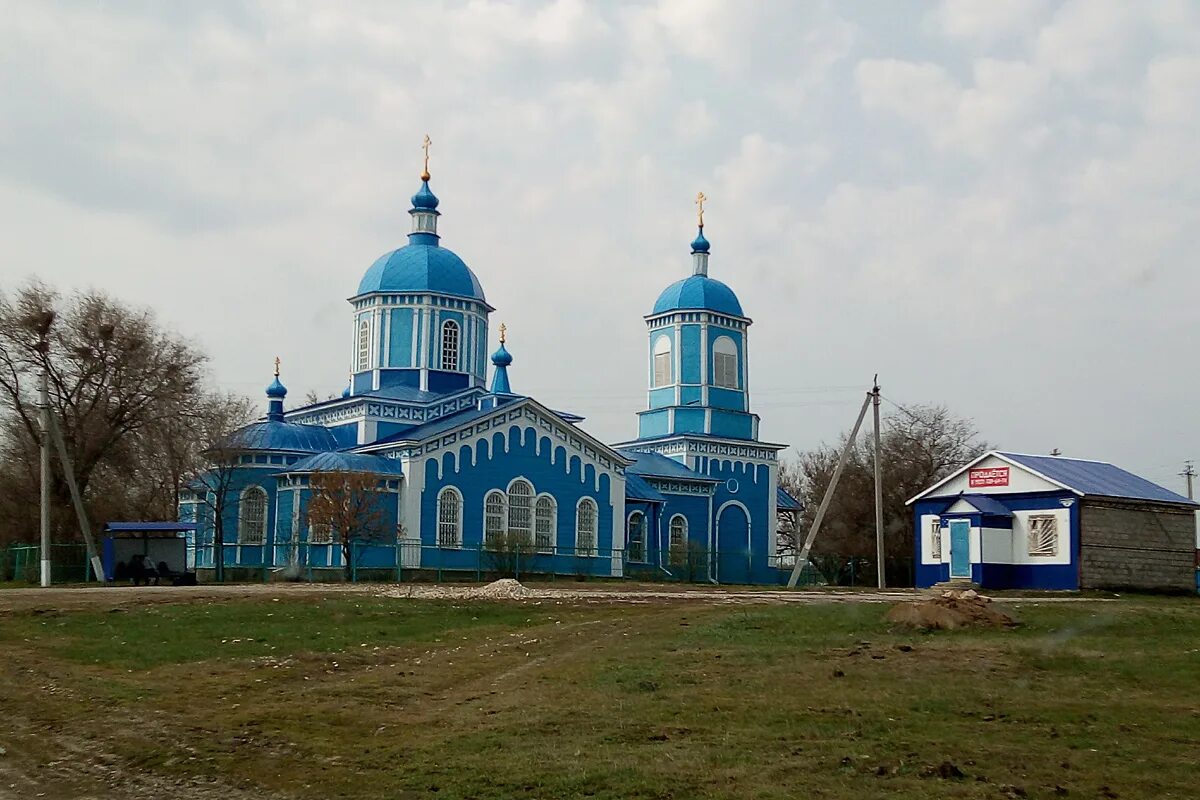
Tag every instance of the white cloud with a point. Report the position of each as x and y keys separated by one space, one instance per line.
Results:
x=987 y=20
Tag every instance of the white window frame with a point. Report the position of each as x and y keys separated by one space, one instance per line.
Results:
x=245 y=521
x=664 y=367
x=677 y=538
x=520 y=510
x=725 y=363
x=545 y=525
x=451 y=338
x=449 y=518
x=495 y=515
x=586 y=525
x=635 y=531
x=363 y=362
x=320 y=533
x=1042 y=535
x=935 y=539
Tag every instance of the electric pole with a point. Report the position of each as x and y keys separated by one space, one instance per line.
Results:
x=44 y=522
x=1189 y=473
x=878 y=490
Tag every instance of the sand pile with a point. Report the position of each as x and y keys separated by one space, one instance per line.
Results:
x=503 y=589
x=951 y=609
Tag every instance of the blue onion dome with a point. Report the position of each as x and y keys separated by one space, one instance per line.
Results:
x=424 y=198
x=698 y=292
x=501 y=358
x=276 y=390
x=278 y=436
x=700 y=244
x=422 y=268
x=346 y=391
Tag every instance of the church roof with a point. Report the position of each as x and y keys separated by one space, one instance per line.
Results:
x=282 y=436
x=638 y=488
x=347 y=462
x=654 y=465
x=785 y=502
x=422 y=268
x=698 y=292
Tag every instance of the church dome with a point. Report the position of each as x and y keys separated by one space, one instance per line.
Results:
x=422 y=268
x=698 y=292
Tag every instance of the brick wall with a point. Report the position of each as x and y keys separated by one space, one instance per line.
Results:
x=1136 y=546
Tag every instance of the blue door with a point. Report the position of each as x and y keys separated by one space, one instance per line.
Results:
x=960 y=548
x=733 y=546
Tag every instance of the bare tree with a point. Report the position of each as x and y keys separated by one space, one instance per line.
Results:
x=351 y=506
x=918 y=446
x=113 y=375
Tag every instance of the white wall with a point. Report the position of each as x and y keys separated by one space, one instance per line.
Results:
x=1020 y=537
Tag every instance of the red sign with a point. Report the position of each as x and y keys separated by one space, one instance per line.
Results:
x=983 y=477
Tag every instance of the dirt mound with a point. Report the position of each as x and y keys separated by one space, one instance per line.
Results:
x=505 y=589
x=952 y=609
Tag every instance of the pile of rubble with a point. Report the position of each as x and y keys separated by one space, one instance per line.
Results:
x=503 y=589
x=951 y=609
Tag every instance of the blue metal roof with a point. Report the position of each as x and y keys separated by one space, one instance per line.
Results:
x=348 y=462
x=785 y=502
x=985 y=504
x=438 y=426
x=699 y=292
x=637 y=488
x=1097 y=478
x=655 y=465
x=282 y=436
x=150 y=526
x=422 y=268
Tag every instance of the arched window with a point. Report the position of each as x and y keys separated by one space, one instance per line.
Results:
x=450 y=345
x=585 y=527
x=252 y=515
x=662 y=360
x=520 y=512
x=494 y=506
x=678 y=538
x=364 y=345
x=320 y=533
x=449 y=530
x=635 y=542
x=725 y=363
x=543 y=524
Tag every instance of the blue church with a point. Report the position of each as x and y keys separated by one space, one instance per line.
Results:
x=467 y=470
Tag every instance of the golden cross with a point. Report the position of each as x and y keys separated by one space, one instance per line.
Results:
x=700 y=198
x=425 y=147
x=503 y=331
x=276 y=366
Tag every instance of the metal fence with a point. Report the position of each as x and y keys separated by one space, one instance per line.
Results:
x=22 y=563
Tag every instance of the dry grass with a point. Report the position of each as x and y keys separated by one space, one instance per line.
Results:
x=347 y=695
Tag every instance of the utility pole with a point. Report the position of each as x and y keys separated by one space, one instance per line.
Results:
x=1189 y=473
x=44 y=423
x=878 y=491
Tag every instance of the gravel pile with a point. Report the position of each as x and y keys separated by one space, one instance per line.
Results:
x=503 y=589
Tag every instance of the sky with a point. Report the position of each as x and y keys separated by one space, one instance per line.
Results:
x=994 y=206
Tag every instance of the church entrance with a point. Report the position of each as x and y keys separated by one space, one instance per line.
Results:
x=733 y=545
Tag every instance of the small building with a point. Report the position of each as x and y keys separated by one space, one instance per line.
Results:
x=1014 y=521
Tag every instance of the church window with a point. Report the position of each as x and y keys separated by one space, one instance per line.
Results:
x=320 y=533
x=494 y=507
x=449 y=530
x=252 y=515
x=1043 y=535
x=520 y=512
x=635 y=545
x=450 y=345
x=725 y=363
x=544 y=513
x=364 y=345
x=662 y=360
x=585 y=527
x=678 y=538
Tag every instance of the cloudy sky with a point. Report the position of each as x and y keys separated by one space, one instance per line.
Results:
x=993 y=205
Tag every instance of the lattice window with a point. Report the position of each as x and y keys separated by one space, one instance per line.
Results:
x=252 y=515
x=450 y=345
x=520 y=511
x=678 y=538
x=544 y=514
x=449 y=531
x=364 y=345
x=725 y=363
x=494 y=507
x=585 y=527
x=935 y=539
x=320 y=533
x=635 y=544
x=662 y=360
x=1043 y=535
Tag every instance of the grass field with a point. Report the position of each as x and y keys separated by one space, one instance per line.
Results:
x=358 y=696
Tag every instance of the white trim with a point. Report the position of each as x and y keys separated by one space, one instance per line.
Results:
x=458 y=523
x=1003 y=458
x=537 y=498
x=595 y=546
